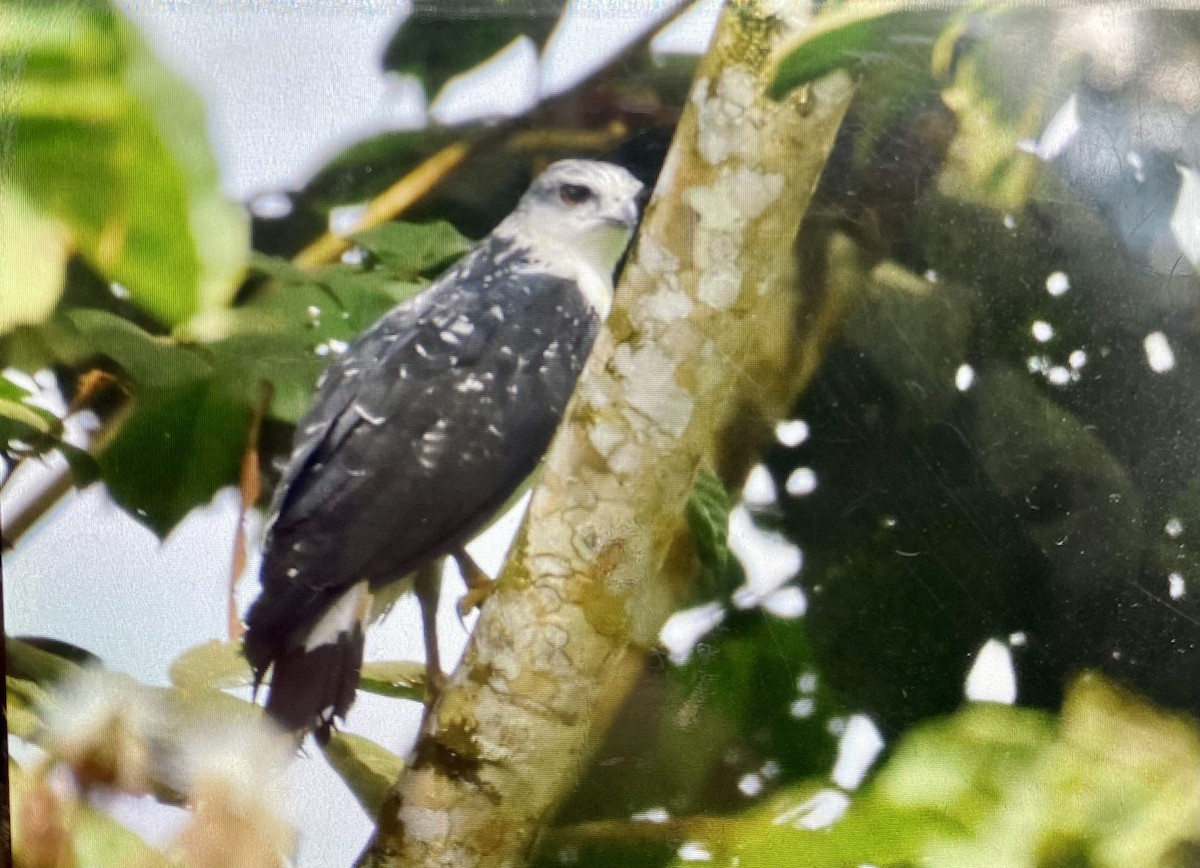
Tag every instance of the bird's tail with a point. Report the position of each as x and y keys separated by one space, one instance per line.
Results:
x=314 y=676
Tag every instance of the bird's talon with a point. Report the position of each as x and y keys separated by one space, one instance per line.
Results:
x=473 y=599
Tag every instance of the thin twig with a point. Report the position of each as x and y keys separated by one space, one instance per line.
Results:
x=63 y=480
x=249 y=489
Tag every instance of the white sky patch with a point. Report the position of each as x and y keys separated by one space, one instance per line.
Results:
x=1175 y=586
x=651 y=815
x=858 y=747
x=1009 y=221
x=769 y=559
x=506 y=85
x=1041 y=330
x=1159 y=355
x=694 y=851
x=1173 y=528
x=964 y=377
x=687 y=627
x=271 y=206
x=792 y=433
x=992 y=678
x=1017 y=639
x=1057 y=283
x=801 y=481
x=788 y=602
x=1185 y=219
x=824 y=809
x=759 y=489
x=1077 y=359
x=1063 y=127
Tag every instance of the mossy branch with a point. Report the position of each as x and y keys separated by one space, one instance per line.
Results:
x=704 y=330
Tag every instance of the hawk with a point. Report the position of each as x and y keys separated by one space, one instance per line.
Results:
x=425 y=426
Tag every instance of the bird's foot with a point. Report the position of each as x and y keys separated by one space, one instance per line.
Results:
x=479 y=584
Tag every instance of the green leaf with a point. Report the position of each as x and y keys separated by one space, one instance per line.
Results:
x=44 y=668
x=402 y=679
x=180 y=447
x=410 y=250
x=110 y=145
x=23 y=699
x=439 y=40
x=21 y=420
x=368 y=769
x=215 y=665
x=150 y=362
x=837 y=38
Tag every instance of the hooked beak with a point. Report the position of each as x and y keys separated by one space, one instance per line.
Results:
x=624 y=216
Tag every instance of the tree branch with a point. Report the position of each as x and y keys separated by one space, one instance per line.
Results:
x=704 y=326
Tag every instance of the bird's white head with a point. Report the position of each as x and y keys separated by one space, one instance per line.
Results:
x=586 y=208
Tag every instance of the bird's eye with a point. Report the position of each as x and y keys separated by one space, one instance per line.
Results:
x=575 y=194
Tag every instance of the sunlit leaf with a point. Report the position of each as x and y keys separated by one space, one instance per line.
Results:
x=212 y=664
x=24 y=699
x=33 y=260
x=401 y=678
x=111 y=146
x=368 y=769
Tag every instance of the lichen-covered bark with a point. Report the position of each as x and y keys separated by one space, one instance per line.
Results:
x=703 y=328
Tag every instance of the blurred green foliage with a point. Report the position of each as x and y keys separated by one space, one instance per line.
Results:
x=107 y=154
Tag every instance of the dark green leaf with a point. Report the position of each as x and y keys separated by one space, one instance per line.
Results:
x=181 y=446
x=112 y=145
x=150 y=362
x=367 y=168
x=368 y=769
x=845 y=35
x=442 y=39
x=409 y=250
x=708 y=510
x=42 y=667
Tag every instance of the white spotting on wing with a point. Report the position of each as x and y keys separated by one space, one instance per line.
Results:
x=340 y=618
